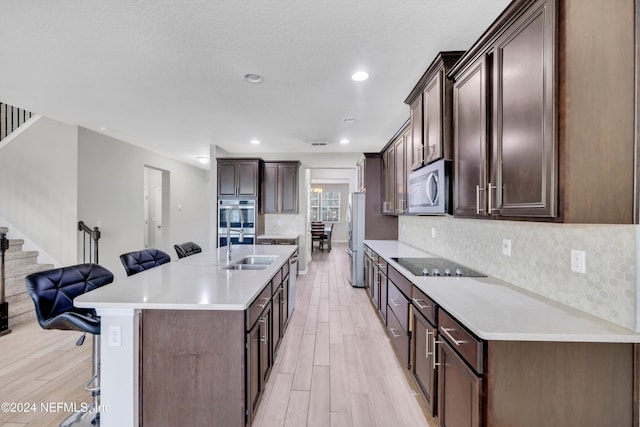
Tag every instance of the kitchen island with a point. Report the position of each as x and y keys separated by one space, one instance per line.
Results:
x=191 y=342
x=487 y=353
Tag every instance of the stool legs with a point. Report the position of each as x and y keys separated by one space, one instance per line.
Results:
x=91 y=412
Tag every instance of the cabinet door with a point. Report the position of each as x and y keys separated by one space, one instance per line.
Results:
x=458 y=391
x=247 y=178
x=226 y=179
x=424 y=368
x=433 y=119
x=288 y=188
x=400 y=174
x=415 y=147
x=253 y=368
x=276 y=320
x=266 y=358
x=523 y=159
x=384 y=284
x=470 y=140
x=284 y=304
x=389 y=205
x=270 y=188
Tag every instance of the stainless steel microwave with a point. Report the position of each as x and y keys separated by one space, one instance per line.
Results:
x=430 y=189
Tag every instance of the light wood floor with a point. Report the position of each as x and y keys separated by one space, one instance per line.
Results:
x=335 y=366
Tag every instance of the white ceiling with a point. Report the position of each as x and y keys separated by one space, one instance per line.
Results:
x=167 y=75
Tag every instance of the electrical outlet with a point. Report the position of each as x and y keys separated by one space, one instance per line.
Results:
x=578 y=263
x=433 y=232
x=506 y=247
x=115 y=336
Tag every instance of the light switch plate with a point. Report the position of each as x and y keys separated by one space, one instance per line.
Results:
x=506 y=247
x=433 y=232
x=578 y=262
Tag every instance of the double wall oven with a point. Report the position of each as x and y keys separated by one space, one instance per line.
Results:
x=247 y=223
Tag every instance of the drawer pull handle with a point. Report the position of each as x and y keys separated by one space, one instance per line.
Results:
x=427 y=353
x=381 y=265
x=393 y=301
x=266 y=301
x=420 y=306
x=434 y=351
x=393 y=332
x=455 y=341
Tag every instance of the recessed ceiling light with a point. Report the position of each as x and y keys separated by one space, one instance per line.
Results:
x=360 y=76
x=253 y=78
x=349 y=120
x=344 y=141
x=203 y=160
x=255 y=141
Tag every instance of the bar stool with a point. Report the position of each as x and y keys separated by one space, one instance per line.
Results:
x=187 y=249
x=53 y=292
x=138 y=261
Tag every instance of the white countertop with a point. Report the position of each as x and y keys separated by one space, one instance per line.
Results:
x=197 y=282
x=495 y=310
x=278 y=236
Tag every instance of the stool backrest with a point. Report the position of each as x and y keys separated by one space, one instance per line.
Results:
x=187 y=249
x=137 y=261
x=53 y=290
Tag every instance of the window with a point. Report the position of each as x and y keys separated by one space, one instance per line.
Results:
x=325 y=206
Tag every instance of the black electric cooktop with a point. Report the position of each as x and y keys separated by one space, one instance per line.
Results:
x=436 y=267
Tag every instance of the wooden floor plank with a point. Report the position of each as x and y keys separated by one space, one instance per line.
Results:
x=298 y=409
x=319 y=401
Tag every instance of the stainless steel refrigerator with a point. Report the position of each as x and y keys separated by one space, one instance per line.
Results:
x=355 y=235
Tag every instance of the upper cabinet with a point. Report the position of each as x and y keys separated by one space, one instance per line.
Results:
x=430 y=102
x=542 y=127
x=394 y=169
x=280 y=187
x=238 y=177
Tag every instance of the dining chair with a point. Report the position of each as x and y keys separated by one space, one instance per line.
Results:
x=317 y=234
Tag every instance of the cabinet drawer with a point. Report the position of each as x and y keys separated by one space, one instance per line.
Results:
x=399 y=338
x=424 y=305
x=467 y=345
x=400 y=281
x=285 y=270
x=258 y=305
x=399 y=304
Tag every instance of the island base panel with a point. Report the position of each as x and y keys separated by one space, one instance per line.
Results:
x=192 y=368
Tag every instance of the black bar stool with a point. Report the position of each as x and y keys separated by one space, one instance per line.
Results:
x=187 y=249
x=53 y=292
x=138 y=261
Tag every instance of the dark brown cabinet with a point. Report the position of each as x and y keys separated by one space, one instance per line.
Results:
x=509 y=168
x=389 y=178
x=430 y=104
x=401 y=173
x=423 y=359
x=533 y=104
x=459 y=391
x=280 y=187
x=395 y=172
x=238 y=177
x=398 y=318
x=258 y=356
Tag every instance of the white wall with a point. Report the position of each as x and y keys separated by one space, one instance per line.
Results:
x=38 y=187
x=110 y=190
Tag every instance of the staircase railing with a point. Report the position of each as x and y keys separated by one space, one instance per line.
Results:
x=4 y=305
x=90 y=235
x=11 y=118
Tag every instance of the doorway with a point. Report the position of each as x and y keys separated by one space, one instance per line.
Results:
x=155 y=206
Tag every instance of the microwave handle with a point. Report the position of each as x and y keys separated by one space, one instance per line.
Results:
x=432 y=177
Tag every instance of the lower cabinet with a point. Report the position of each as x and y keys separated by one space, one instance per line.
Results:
x=259 y=357
x=398 y=322
x=424 y=359
x=459 y=390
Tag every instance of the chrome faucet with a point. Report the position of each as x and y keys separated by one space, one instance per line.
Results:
x=229 y=229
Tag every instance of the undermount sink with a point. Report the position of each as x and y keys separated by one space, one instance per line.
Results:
x=245 y=267
x=257 y=260
x=254 y=262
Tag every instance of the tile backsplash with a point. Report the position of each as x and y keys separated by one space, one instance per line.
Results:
x=540 y=258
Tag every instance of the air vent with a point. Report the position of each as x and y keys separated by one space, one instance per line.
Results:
x=319 y=143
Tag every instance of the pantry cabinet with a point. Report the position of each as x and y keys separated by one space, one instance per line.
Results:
x=430 y=104
x=542 y=122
